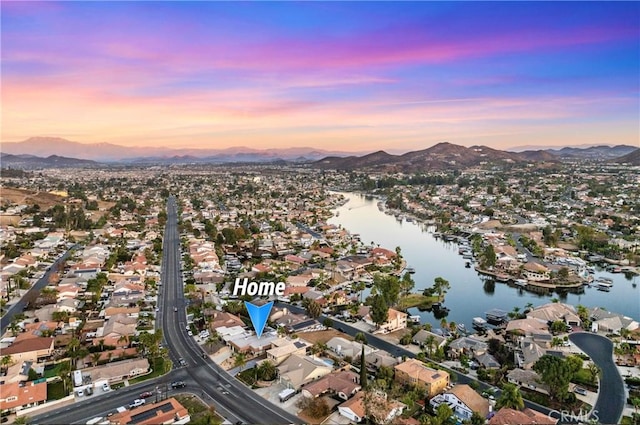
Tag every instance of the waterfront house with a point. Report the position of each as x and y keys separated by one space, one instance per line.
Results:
x=396 y=320
x=468 y=346
x=463 y=400
x=536 y=272
x=413 y=372
x=423 y=337
x=610 y=322
x=552 y=312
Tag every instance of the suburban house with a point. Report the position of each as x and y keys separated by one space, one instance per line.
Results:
x=527 y=379
x=414 y=372
x=345 y=348
x=17 y=395
x=536 y=272
x=30 y=349
x=168 y=411
x=297 y=371
x=379 y=409
x=396 y=320
x=344 y=384
x=470 y=347
x=552 y=312
x=506 y=416
x=118 y=371
x=283 y=348
x=429 y=340
x=463 y=400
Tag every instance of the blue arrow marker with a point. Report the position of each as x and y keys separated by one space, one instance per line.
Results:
x=259 y=315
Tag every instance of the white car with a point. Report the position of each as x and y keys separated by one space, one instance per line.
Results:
x=106 y=387
x=136 y=403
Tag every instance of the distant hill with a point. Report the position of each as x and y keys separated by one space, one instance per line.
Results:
x=632 y=158
x=108 y=152
x=52 y=161
x=593 y=152
x=538 y=155
x=440 y=156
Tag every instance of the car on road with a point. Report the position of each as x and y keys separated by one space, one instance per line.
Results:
x=146 y=394
x=175 y=309
x=137 y=403
x=182 y=361
x=178 y=384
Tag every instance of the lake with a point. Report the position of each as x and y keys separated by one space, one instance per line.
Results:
x=469 y=296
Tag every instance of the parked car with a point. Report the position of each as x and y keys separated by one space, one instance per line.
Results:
x=580 y=390
x=106 y=387
x=137 y=403
x=178 y=384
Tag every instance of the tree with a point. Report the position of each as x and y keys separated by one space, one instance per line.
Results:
x=575 y=364
x=477 y=419
x=556 y=373
x=6 y=361
x=488 y=256
x=406 y=284
x=239 y=360
x=379 y=310
x=558 y=327
x=267 y=371
x=444 y=415
x=363 y=370
x=510 y=397
x=441 y=286
x=361 y=338
x=314 y=309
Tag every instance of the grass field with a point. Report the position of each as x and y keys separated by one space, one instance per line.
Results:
x=415 y=300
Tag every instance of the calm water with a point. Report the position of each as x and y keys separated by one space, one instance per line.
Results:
x=469 y=296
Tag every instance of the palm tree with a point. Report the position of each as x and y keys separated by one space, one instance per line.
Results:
x=240 y=359
x=95 y=357
x=22 y=420
x=361 y=338
x=65 y=374
x=430 y=342
x=510 y=398
x=6 y=361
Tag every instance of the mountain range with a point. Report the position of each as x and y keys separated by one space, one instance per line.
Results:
x=52 y=161
x=108 y=152
x=57 y=152
x=447 y=155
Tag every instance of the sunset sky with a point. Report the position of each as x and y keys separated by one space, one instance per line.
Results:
x=343 y=76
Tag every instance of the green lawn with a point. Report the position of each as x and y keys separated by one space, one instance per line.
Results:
x=55 y=391
x=248 y=376
x=55 y=370
x=159 y=366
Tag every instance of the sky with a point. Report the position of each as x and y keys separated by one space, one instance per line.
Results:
x=346 y=76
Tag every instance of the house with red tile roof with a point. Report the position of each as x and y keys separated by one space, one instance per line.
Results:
x=19 y=395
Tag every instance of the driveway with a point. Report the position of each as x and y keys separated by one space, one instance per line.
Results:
x=611 y=394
